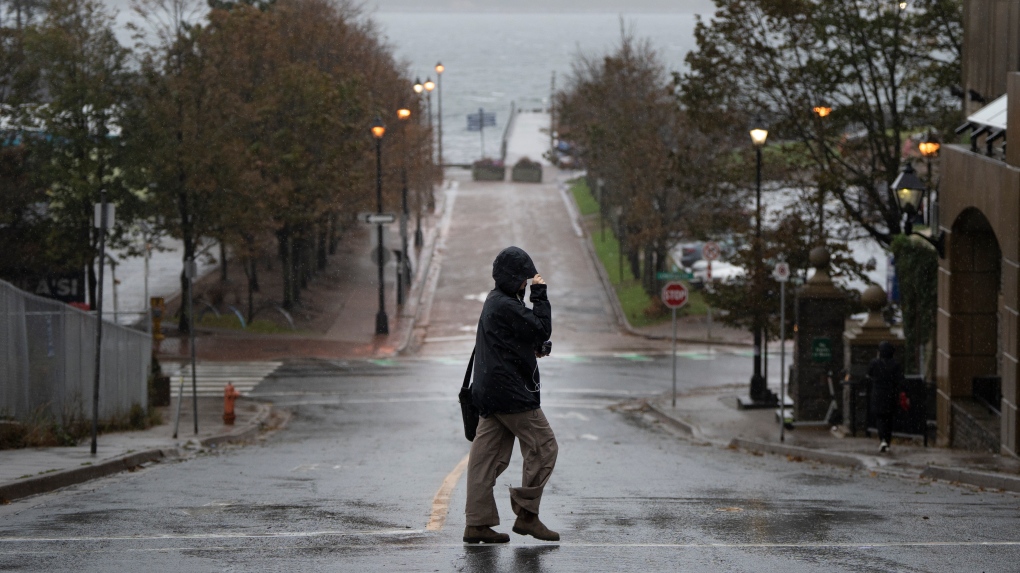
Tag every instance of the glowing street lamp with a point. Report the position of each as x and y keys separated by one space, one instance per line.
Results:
x=822 y=110
x=429 y=85
x=759 y=394
x=440 y=68
x=910 y=192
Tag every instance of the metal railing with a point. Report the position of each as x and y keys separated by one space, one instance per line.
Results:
x=507 y=131
x=47 y=360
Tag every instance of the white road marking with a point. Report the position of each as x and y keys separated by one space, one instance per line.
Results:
x=401 y=533
x=572 y=415
x=211 y=377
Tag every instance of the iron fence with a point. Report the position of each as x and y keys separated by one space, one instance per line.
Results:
x=47 y=360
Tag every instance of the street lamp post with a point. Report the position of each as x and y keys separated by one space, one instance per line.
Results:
x=429 y=85
x=910 y=192
x=439 y=91
x=929 y=148
x=759 y=394
x=418 y=235
x=382 y=325
x=822 y=110
x=403 y=270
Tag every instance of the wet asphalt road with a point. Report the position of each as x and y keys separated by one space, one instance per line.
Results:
x=349 y=485
x=354 y=480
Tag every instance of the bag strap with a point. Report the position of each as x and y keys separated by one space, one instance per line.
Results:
x=467 y=375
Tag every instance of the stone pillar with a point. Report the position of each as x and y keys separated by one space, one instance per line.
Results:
x=818 y=347
x=860 y=346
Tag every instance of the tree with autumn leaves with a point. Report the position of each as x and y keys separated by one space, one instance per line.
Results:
x=659 y=173
x=261 y=117
x=246 y=123
x=842 y=85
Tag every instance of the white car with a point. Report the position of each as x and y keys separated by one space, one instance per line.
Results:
x=721 y=272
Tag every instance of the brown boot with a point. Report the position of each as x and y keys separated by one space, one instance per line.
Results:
x=528 y=524
x=484 y=534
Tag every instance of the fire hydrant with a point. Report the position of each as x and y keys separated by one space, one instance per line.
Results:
x=229 y=395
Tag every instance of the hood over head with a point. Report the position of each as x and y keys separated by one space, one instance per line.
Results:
x=886 y=350
x=511 y=268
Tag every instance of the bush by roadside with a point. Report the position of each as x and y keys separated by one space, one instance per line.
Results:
x=640 y=309
x=43 y=430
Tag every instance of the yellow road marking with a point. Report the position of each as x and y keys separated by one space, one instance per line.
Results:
x=441 y=503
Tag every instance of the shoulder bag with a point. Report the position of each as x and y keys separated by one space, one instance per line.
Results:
x=467 y=407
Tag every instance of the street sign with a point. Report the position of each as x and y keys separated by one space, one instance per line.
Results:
x=482 y=119
x=711 y=251
x=111 y=211
x=782 y=272
x=674 y=295
x=821 y=350
x=677 y=276
x=377 y=218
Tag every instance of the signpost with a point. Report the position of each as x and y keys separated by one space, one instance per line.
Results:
x=782 y=274
x=710 y=252
x=479 y=121
x=674 y=296
x=104 y=216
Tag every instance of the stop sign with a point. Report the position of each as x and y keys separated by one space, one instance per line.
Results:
x=674 y=295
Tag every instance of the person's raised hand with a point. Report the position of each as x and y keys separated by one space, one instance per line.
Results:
x=538 y=280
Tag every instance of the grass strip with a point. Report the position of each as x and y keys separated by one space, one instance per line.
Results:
x=633 y=298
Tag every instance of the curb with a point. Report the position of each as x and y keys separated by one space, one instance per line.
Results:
x=57 y=480
x=683 y=426
x=975 y=478
x=987 y=480
x=765 y=447
x=46 y=483
x=417 y=290
x=244 y=434
x=804 y=453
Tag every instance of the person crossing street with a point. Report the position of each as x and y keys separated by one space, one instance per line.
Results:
x=507 y=392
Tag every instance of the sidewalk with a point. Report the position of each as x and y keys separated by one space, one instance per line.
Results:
x=26 y=472
x=347 y=303
x=711 y=415
x=350 y=332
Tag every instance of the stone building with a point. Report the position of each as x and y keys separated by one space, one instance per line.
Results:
x=978 y=343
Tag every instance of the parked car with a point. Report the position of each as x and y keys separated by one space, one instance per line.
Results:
x=722 y=272
x=686 y=254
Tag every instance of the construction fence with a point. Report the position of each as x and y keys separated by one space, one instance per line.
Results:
x=47 y=361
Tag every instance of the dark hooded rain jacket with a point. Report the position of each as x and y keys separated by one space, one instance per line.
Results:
x=506 y=369
x=886 y=375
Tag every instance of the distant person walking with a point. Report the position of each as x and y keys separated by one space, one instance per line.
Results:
x=886 y=375
x=506 y=391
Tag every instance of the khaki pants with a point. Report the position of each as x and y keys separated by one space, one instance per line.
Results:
x=490 y=455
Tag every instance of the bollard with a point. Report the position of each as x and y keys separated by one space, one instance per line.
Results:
x=229 y=395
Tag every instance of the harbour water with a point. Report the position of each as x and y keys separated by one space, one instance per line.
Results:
x=493 y=59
